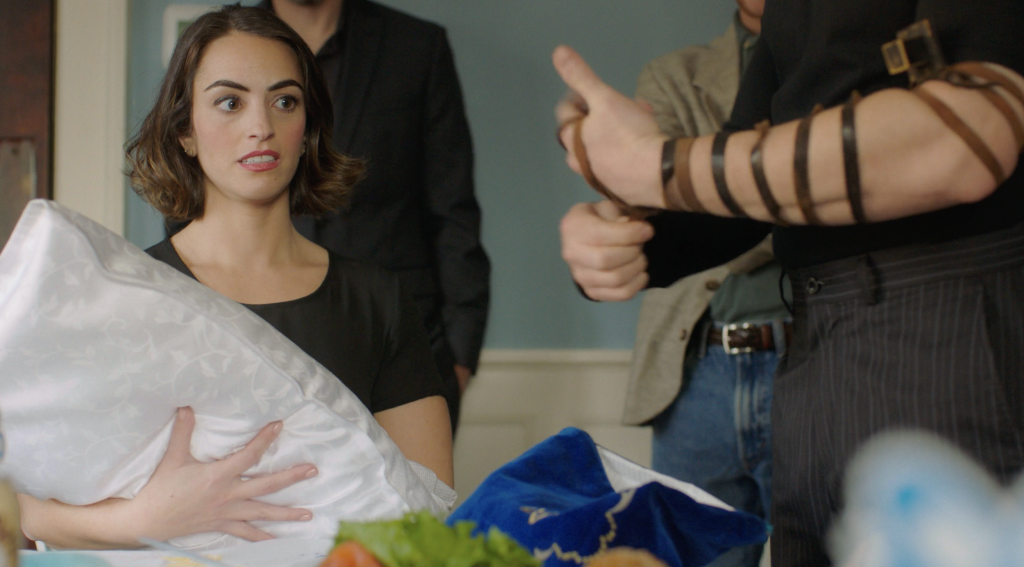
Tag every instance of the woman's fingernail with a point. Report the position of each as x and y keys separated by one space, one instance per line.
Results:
x=312 y=472
x=306 y=518
x=278 y=427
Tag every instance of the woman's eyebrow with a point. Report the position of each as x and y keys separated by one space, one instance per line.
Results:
x=227 y=83
x=284 y=83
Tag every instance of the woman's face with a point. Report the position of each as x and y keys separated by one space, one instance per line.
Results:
x=248 y=119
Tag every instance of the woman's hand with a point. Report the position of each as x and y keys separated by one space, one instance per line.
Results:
x=182 y=497
x=185 y=496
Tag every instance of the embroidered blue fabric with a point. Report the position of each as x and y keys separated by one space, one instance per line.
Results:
x=556 y=500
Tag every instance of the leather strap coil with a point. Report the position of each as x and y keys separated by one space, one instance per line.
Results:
x=965 y=75
x=679 y=194
x=718 y=172
x=801 y=179
x=760 y=179
x=979 y=70
x=973 y=141
x=588 y=173
x=851 y=161
x=1008 y=113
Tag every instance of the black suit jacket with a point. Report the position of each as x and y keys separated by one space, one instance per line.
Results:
x=398 y=105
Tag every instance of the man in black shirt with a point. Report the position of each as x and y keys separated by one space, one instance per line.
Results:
x=398 y=104
x=912 y=317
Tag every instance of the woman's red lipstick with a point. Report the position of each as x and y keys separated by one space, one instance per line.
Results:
x=262 y=160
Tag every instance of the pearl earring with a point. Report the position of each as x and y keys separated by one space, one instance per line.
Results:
x=303 y=149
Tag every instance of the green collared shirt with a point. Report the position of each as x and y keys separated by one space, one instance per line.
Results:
x=746 y=39
x=755 y=296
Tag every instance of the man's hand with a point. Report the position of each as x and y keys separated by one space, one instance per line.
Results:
x=604 y=250
x=621 y=137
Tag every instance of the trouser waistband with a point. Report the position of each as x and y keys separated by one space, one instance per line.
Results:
x=869 y=276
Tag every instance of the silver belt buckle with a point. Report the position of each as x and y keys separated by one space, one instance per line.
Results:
x=725 y=338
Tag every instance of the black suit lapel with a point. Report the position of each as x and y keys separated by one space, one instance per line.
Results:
x=365 y=32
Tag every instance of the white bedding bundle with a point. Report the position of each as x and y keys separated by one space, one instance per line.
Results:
x=100 y=344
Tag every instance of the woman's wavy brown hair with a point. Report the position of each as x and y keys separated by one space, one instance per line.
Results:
x=162 y=174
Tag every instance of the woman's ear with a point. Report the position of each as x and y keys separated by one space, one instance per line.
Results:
x=189 y=145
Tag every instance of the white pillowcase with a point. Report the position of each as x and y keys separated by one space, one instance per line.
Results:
x=99 y=344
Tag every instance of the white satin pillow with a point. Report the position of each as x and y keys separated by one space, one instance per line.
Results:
x=99 y=344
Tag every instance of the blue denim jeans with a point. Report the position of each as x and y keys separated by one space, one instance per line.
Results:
x=717 y=433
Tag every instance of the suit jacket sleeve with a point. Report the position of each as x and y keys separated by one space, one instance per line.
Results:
x=650 y=89
x=453 y=212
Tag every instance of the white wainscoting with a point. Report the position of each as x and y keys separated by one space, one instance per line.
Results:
x=520 y=397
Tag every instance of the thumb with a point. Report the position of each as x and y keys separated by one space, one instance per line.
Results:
x=576 y=73
x=609 y=211
x=179 y=450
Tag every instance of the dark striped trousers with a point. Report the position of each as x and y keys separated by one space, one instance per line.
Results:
x=925 y=336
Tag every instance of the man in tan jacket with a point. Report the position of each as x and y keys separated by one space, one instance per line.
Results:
x=707 y=346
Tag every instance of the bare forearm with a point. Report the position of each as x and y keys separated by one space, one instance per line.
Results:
x=103 y=525
x=422 y=431
x=910 y=162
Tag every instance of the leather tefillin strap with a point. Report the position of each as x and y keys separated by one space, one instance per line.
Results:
x=679 y=194
x=973 y=141
x=801 y=178
x=718 y=172
x=917 y=52
x=635 y=213
x=760 y=179
x=851 y=160
x=974 y=75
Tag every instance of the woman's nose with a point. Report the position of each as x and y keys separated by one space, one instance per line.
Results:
x=261 y=126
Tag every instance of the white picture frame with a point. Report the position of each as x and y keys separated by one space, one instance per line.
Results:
x=176 y=18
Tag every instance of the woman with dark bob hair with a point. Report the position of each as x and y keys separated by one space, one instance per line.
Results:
x=238 y=142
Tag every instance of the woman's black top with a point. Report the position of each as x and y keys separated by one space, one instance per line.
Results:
x=360 y=325
x=818 y=52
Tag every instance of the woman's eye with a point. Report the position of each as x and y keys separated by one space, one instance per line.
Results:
x=286 y=102
x=229 y=104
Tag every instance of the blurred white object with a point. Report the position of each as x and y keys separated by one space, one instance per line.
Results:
x=270 y=553
x=915 y=500
x=100 y=344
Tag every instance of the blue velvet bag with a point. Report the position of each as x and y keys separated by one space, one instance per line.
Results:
x=558 y=501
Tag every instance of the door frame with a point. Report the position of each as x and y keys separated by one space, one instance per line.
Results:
x=90 y=85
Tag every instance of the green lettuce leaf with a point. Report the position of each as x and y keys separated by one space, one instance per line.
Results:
x=421 y=540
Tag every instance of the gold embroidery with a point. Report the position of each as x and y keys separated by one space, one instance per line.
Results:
x=543 y=554
x=537 y=514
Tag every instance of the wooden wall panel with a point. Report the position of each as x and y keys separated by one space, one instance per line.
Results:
x=26 y=80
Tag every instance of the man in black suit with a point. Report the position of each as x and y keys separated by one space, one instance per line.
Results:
x=398 y=104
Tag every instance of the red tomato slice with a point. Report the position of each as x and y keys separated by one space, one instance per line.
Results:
x=350 y=554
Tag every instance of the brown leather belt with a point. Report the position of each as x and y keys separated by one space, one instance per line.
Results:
x=744 y=337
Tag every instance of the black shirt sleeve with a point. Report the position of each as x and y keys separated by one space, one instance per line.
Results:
x=451 y=210
x=687 y=243
x=407 y=370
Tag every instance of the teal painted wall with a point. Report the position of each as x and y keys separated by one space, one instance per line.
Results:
x=503 y=53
